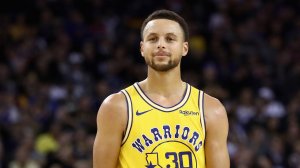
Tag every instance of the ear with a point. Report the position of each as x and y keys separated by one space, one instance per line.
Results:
x=185 y=48
x=142 y=48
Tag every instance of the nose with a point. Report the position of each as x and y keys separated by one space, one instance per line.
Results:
x=161 y=43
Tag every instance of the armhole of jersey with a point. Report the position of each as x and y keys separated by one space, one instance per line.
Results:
x=129 y=116
x=201 y=108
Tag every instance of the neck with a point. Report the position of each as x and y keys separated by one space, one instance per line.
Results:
x=164 y=83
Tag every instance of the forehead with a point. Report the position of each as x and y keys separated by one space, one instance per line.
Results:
x=162 y=26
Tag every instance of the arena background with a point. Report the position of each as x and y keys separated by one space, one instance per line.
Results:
x=60 y=58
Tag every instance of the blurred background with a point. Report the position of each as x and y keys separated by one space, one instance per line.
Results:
x=59 y=59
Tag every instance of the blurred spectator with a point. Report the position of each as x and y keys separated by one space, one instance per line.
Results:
x=23 y=159
x=48 y=142
x=246 y=110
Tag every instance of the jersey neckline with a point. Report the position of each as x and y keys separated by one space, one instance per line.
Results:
x=183 y=100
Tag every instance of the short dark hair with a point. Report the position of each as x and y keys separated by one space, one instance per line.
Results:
x=170 y=15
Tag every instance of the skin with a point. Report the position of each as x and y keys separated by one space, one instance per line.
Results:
x=162 y=47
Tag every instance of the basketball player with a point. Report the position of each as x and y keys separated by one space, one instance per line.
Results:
x=162 y=121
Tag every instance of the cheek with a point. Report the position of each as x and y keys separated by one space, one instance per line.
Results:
x=177 y=49
x=147 y=50
x=145 y=53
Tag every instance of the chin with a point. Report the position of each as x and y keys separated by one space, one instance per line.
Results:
x=163 y=68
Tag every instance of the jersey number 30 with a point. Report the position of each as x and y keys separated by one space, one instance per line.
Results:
x=180 y=160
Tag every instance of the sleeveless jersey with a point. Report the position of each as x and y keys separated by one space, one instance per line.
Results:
x=163 y=137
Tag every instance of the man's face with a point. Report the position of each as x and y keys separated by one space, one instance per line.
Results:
x=163 y=44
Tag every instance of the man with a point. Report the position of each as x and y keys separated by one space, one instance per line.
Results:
x=162 y=121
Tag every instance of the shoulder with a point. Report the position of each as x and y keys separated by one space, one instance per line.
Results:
x=113 y=109
x=115 y=100
x=213 y=106
x=214 y=112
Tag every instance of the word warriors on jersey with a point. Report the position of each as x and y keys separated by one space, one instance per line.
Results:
x=165 y=133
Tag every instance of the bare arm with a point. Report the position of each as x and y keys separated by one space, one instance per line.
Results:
x=111 y=122
x=216 y=151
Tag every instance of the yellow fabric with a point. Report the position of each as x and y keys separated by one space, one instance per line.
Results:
x=159 y=136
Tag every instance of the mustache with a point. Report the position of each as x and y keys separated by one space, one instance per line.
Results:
x=161 y=53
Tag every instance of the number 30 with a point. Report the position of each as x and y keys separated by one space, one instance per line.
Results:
x=180 y=156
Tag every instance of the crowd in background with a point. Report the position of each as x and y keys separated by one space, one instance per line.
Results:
x=59 y=59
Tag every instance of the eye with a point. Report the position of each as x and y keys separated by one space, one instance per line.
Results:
x=152 y=39
x=170 y=39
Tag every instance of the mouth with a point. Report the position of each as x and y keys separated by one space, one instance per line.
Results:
x=161 y=54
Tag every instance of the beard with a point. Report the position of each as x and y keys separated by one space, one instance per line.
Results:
x=162 y=67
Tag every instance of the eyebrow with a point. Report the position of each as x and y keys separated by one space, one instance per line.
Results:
x=168 y=34
x=171 y=34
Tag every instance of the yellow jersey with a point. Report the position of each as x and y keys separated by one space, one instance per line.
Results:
x=163 y=137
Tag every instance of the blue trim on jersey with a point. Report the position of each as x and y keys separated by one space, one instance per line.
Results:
x=124 y=132
x=204 y=124
x=184 y=95
x=199 y=94
x=186 y=87
x=203 y=114
x=128 y=111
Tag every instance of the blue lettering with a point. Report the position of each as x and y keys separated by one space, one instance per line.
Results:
x=198 y=146
x=185 y=133
x=194 y=138
x=137 y=144
x=181 y=132
x=156 y=134
x=167 y=131
x=177 y=131
x=147 y=140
